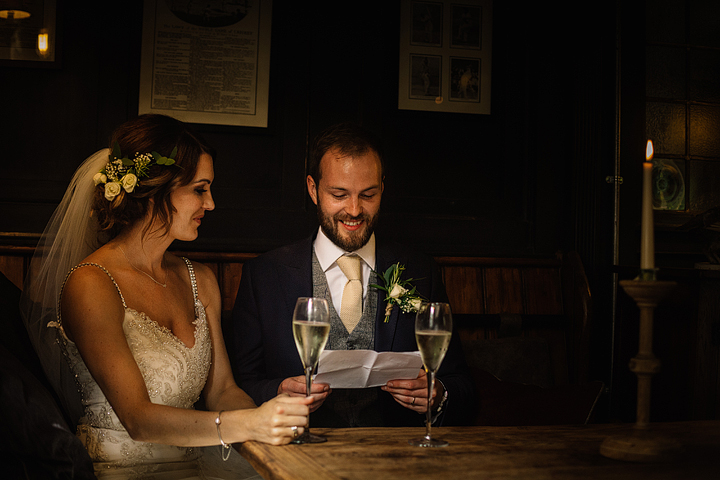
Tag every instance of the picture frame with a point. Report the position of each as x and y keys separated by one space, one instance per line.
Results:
x=445 y=56
x=207 y=66
x=425 y=76
x=29 y=36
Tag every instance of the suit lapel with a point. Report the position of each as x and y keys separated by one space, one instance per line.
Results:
x=295 y=273
x=385 y=332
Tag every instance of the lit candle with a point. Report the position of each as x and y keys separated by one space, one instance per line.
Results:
x=647 y=237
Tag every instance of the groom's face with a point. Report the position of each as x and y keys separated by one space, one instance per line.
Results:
x=348 y=197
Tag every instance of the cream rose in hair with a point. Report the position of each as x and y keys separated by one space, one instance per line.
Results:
x=128 y=182
x=112 y=190
x=124 y=172
x=99 y=178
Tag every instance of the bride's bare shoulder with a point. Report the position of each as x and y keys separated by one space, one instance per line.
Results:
x=94 y=275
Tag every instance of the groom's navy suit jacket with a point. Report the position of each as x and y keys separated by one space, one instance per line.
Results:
x=263 y=351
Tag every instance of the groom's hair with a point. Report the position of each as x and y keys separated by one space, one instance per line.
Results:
x=348 y=139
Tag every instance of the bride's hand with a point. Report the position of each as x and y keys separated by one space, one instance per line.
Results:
x=272 y=421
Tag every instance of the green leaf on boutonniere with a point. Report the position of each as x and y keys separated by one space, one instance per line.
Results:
x=398 y=291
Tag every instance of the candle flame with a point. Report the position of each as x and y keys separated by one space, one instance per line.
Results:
x=649 y=151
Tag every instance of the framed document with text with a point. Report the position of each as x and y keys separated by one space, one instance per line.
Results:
x=207 y=62
x=445 y=56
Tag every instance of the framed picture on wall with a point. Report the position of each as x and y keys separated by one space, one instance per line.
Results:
x=29 y=34
x=466 y=27
x=207 y=63
x=465 y=80
x=445 y=56
x=425 y=76
x=427 y=23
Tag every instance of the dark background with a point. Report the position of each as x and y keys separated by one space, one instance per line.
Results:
x=576 y=92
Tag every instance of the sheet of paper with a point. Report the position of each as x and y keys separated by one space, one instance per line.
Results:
x=366 y=368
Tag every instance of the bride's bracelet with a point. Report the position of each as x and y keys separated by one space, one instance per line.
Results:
x=225 y=446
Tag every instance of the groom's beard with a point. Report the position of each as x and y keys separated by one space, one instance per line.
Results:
x=348 y=241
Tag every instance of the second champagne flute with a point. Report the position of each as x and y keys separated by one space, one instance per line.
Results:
x=433 y=329
x=311 y=328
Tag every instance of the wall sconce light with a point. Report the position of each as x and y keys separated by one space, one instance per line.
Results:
x=43 y=43
x=14 y=14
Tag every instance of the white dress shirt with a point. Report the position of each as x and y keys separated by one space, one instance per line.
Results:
x=327 y=253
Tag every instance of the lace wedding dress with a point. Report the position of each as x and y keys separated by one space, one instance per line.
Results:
x=174 y=375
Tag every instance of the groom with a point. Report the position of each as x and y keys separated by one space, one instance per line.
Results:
x=345 y=181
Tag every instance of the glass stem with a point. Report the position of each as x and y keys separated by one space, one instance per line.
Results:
x=428 y=414
x=308 y=385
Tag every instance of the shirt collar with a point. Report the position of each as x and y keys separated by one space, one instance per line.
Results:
x=327 y=252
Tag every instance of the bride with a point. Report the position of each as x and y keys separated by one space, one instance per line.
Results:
x=138 y=327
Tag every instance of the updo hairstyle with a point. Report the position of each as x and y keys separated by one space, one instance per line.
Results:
x=145 y=134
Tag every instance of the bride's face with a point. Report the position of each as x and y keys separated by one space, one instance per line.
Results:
x=191 y=201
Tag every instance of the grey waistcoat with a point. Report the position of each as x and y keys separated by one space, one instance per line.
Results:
x=348 y=407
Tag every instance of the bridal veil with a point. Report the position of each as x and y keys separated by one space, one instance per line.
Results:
x=70 y=236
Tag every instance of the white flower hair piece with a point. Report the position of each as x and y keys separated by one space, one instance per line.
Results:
x=123 y=173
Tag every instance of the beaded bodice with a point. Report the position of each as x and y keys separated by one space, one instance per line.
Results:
x=174 y=374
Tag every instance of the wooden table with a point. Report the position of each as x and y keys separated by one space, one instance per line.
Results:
x=485 y=452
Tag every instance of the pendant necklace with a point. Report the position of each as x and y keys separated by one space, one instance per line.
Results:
x=164 y=285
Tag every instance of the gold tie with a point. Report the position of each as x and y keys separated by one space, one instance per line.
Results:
x=351 y=309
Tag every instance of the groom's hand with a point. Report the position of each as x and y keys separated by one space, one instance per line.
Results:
x=412 y=394
x=295 y=387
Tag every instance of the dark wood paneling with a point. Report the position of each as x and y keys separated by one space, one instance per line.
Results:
x=464 y=286
x=456 y=184
x=542 y=291
x=503 y=290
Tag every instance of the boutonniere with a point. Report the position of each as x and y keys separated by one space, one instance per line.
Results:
x=398 y=291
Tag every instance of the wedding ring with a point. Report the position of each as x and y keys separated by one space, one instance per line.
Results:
x=413 y=402
x=294 y=430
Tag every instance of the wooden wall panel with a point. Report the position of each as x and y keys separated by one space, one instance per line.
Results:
x=231 y=273
x=464 y=287
x=484 y=286
x=14 y=269
x=503 y=290
x=542 y=291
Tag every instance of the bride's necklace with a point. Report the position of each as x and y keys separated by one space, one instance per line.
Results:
x=164 y=285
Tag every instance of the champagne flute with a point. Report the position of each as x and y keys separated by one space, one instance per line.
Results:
x=311 y=328
x=433 y=328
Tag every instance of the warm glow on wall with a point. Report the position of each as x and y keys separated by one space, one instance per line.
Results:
x=14 y=14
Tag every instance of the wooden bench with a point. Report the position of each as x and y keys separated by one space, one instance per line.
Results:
x=529 y=302
x=525 y=301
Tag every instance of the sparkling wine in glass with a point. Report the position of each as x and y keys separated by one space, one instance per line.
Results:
x=433 y=328
x=311 y=328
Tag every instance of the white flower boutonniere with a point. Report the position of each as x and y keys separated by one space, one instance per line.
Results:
x=398 y=291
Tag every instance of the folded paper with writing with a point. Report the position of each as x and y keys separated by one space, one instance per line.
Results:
x=366 y=368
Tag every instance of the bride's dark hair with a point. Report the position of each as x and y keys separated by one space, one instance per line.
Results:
x=145 y=134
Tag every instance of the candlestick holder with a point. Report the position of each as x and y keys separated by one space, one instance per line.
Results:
x=641 y=444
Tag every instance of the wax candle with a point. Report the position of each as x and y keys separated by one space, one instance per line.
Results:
x=647 y=237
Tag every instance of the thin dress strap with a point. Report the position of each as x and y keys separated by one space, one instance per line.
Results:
x=59 y=320
x=191 y=271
